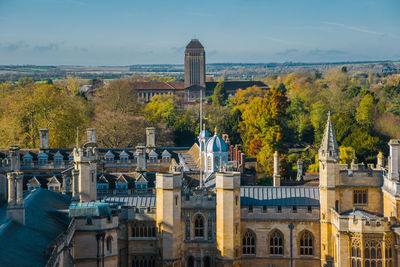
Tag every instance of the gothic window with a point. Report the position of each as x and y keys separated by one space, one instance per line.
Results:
x=187 y=230
x=276 y=243
x=360 y=196
x=143 y=230
x=199 y=226
x=355 y=253
x=209 y=163
x=143 y=261
x=109 y=244
x=373 y=253
x=190 y=261
x=249 y=243
x=209 y=229
x=306 y=241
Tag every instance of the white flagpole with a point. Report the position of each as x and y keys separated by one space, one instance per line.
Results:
x=201 y=132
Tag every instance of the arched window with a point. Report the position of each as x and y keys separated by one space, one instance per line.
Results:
x=109 y=244
x=206 y=261
x=306 y=242
x=373 y=253
x=190 y=261
x=249 y=243
x=276 y=243
x=209 y=163
x=355 y=253
x=199 y=226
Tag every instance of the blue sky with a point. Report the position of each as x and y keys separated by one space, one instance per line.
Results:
x=105 y=32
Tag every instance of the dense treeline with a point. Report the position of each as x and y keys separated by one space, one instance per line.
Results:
x=291 y=115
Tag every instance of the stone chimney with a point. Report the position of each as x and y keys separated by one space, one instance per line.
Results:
x=15 y=207
x=394 y=159
x=141 y=158
x=380 y=161
x=91 y=135
x=150 y=137
x=299 y=170
x=44 y=139
x=277 y=177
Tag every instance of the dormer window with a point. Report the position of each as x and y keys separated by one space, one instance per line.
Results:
x=121 y=185
x=58 y=159
x=166 y=156
x=124 y=157
x=54 y=184
x=109 y=157
x=27 y=160
x=43 y=159
x=71 y=157
x=153 y=156
x=33 y=184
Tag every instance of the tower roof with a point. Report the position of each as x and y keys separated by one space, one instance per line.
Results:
x=329 y=148
x=194 y=43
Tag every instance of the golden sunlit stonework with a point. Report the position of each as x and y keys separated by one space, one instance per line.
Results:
x=97 y=218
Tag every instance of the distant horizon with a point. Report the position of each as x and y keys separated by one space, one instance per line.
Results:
x=124 y=33
x=221 y=63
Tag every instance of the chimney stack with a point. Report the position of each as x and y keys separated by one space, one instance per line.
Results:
x=15 y=207
x=299 y=170
x=44 y=139
x=91 y=135
x=150 y=138
x=277 y=177
x=380 y=164
x=141 y=158
x=394 y=159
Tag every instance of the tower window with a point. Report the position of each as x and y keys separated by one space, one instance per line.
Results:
x=109 y=244
x=279 y=209
x=199 y=226
x=360 y=196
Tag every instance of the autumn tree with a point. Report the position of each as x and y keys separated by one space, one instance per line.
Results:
x=43 y=106
x=262 y=119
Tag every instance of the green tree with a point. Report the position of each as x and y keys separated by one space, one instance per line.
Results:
x=162 y=108
x=219 y=97
x=347 y=154
x=318 y=118
x=365 y=111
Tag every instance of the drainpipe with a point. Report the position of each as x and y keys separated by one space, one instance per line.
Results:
x=98 y=249
x=291 y=226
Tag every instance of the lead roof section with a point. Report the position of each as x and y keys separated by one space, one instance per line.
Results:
x=279 y=196
x=251 y=195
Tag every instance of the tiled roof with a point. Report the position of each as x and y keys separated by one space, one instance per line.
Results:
x=158 y=85
x=279 y=196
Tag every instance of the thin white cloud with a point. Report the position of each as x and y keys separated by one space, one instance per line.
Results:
x=359 y=29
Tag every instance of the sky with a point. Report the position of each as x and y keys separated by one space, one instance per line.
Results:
x=117 y=32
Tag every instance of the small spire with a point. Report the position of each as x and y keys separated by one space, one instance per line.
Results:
x=215 y=130
x=329 y=148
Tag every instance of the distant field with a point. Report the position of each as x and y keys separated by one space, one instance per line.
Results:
x=245 y=71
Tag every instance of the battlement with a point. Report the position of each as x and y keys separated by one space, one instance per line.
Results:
x=361 y=222
x=199 y=201
x=296 y=213
x=88 y=154
x=365 y=177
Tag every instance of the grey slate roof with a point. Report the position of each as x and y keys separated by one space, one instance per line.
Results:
x=25 y=245
x=132 y=201
x=279 y=196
